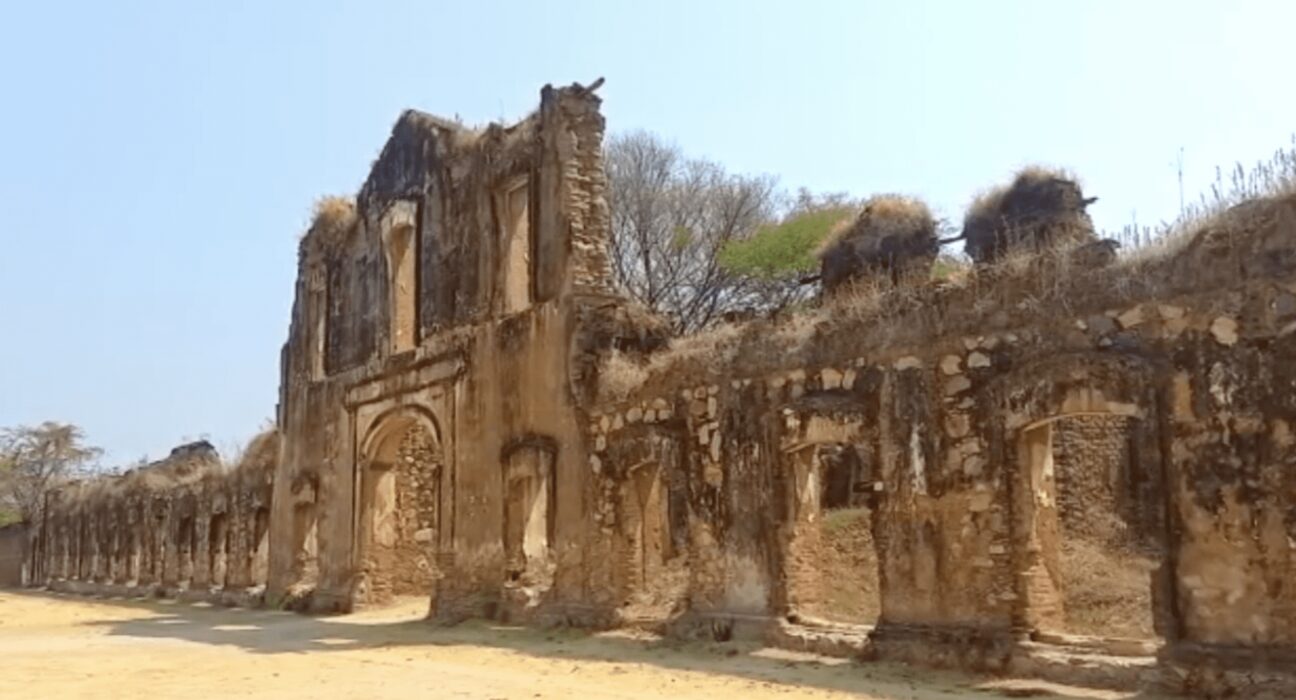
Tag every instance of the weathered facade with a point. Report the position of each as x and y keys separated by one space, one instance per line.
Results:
x=183 y=526
x=443 y=432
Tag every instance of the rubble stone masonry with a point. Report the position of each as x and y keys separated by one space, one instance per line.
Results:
x=443 y=432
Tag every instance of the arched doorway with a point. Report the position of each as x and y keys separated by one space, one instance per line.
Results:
x=398 y=508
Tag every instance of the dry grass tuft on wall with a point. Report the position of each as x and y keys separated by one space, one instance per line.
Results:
x=893 y=237
x=333 y=219
x=1251 y=241
x=1042 y=207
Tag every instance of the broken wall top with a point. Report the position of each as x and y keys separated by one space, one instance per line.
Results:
x=1254 y=242
x=493 y=221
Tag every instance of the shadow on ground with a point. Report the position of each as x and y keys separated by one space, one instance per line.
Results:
x=277 y=632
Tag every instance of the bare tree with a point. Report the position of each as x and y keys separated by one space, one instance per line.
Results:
x=671 y=218
x=35 y=459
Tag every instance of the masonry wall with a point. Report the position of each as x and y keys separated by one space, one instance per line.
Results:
x=182 y=526
x=1164 y=419
x=487 y=377
x=447 y=430
x=1187 y=400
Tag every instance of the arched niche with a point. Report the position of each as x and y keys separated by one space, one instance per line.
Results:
x=401 y=249
x=529 y=512
x=304 y=492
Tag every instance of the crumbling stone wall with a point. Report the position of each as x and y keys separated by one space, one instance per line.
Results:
x=180 y=526
x=507 y=226
x=451 y=328
x=1167 y=427
x=1091 y=458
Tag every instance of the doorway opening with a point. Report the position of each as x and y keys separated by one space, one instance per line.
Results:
x=186 y=541
x=259 y=552
x=1094 y=568
x=399 y=497
x=831 y=561
x=217 y=550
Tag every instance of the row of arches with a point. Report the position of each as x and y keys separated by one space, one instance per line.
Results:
x=163 y=542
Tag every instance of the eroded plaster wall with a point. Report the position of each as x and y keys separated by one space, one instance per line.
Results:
x=183 y=526
x=446 y=434
x=1166 y=425
x=508 y=227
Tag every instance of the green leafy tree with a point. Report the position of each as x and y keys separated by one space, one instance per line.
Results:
x=785 y=249
x=779 y=255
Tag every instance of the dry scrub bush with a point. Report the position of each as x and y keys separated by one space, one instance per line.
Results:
x=893 y=236
x=1040 y=208
x=332 y=221
x=620 y=375
x=1246 y=232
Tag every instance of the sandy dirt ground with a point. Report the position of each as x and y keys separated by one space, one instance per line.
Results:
x=54 y=646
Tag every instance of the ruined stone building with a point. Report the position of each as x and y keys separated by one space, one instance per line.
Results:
x=470 y=413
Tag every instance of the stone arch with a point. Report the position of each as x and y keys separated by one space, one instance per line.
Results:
x=398 y=505
x=1083 y=439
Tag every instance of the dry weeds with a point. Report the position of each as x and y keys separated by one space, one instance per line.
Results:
x=1024 y=288
x=847 y=559
x=897 y=210
x=1107 y=588
x=332 y=220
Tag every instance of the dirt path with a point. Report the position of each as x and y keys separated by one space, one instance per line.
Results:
x=66 y=647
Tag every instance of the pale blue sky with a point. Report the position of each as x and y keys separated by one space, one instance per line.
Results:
x=158 y=160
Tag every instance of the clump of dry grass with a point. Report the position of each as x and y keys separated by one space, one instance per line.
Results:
x=716 y=344
x=260 y=452
x=622 y=374
x=333 y=218
x=893 y=236
x=1228 y=204
x=1041 y=207
x=186 y=465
